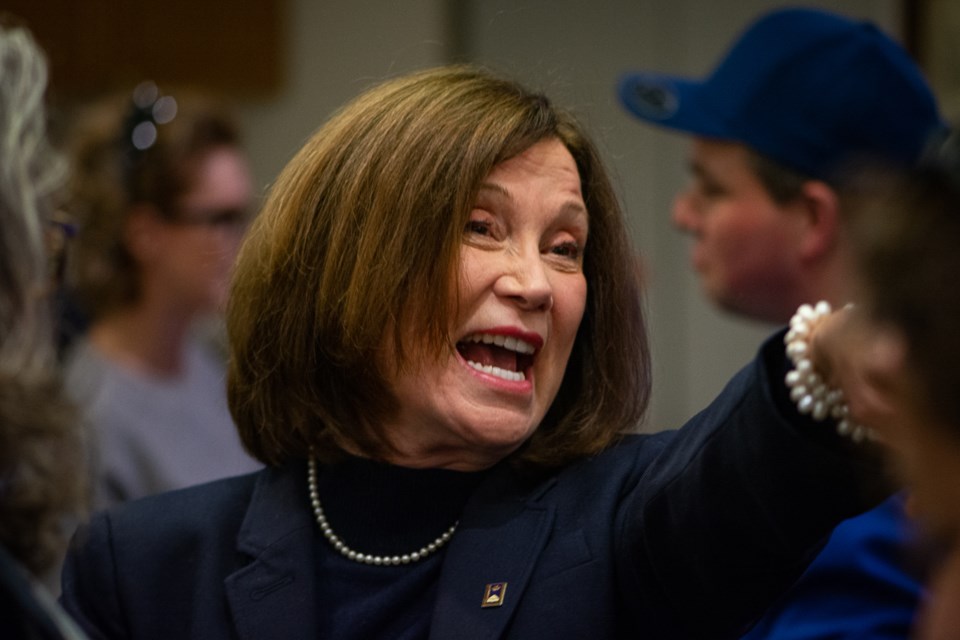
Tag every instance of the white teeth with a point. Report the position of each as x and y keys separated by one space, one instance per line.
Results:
x=507 y=342
x=513 y=376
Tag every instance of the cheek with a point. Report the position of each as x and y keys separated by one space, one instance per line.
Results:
x=474 y=273
x=569 y=305
x=737 y=235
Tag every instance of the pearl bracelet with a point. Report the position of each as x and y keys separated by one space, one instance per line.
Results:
x=807 y=388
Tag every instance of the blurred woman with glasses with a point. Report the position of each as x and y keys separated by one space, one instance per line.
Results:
x=162 y=193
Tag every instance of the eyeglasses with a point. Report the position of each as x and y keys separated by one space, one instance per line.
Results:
x=227 y=218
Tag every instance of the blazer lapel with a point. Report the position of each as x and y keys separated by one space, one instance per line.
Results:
x=275 y=595
x=490 y=559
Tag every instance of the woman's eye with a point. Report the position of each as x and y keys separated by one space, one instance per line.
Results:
x=478 y=227
x=569 y=250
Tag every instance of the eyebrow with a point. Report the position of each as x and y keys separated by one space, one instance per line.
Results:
x=697 y=168
x=571 y=206
x=492 y=186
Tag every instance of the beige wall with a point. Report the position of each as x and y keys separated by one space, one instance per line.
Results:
x=574 y=50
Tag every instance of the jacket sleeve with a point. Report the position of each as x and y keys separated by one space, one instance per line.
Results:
x=736 y=506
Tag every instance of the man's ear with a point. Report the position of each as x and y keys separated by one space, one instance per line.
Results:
x=142 y=233
x=821 y=208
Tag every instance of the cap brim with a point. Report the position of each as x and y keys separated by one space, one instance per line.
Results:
x=668 y=101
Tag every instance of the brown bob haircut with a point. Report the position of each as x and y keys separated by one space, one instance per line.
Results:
x=362 y=230
x=110 y=176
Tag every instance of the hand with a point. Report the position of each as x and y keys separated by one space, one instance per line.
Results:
x=868 y=363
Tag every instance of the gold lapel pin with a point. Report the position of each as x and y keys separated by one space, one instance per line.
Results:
x=493 y=594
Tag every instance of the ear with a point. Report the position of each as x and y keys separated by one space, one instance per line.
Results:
x=821 y=210
x=142 y=233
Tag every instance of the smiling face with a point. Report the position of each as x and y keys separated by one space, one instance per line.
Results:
x=522 y=294
x=746 y=247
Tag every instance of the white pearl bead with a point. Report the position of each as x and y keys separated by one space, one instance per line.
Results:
x=843 y=427
x=800 y=328
x=797 y=349
x=807 y=388
x=819 y=410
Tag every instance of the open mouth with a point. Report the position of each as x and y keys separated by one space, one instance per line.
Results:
x=505 y=357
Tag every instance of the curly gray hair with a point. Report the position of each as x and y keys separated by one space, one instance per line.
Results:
x=41 y=460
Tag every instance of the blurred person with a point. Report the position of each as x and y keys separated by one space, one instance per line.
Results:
x=904 y=227
x=162 y=192
x=42 y=471
x=438 y=350
x=801 y=94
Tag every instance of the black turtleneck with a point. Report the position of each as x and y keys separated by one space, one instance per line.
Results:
x=381 y=509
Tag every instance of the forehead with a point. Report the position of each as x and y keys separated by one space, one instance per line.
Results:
x=221 y=172
x=719 y=155
x=547 y=161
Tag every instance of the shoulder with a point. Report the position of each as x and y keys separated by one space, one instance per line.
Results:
x=631 y=453
x=204 y=359
x=152 y=531
x=215 y=505
x=612 y=472
x=184 y=540
x=186 y=531
x=83 y=369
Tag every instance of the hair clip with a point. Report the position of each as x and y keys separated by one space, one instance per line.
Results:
x=148 y=110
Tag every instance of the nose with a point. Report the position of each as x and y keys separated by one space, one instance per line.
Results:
x=526 y=281
x=683 y=214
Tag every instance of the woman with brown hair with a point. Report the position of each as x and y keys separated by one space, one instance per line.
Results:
x=161 y=189
x=438 y=349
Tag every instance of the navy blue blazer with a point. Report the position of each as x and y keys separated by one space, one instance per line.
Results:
x=679 y=535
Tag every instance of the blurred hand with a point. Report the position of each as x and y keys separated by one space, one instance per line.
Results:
x=868 y=363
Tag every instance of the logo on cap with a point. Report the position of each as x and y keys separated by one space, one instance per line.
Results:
x=654 y=99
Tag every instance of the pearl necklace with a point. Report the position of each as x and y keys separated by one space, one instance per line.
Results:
x=365 y=558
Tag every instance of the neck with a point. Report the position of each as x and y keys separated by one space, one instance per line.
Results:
x=828 y=284
x=442 y=455
x=143 y=340
x=387 y=510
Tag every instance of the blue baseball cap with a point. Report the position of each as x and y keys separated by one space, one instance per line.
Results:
x=809 y=89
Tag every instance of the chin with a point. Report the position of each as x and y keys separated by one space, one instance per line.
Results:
x=505 y=439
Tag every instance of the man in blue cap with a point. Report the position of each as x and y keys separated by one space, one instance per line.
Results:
x=801 y=95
